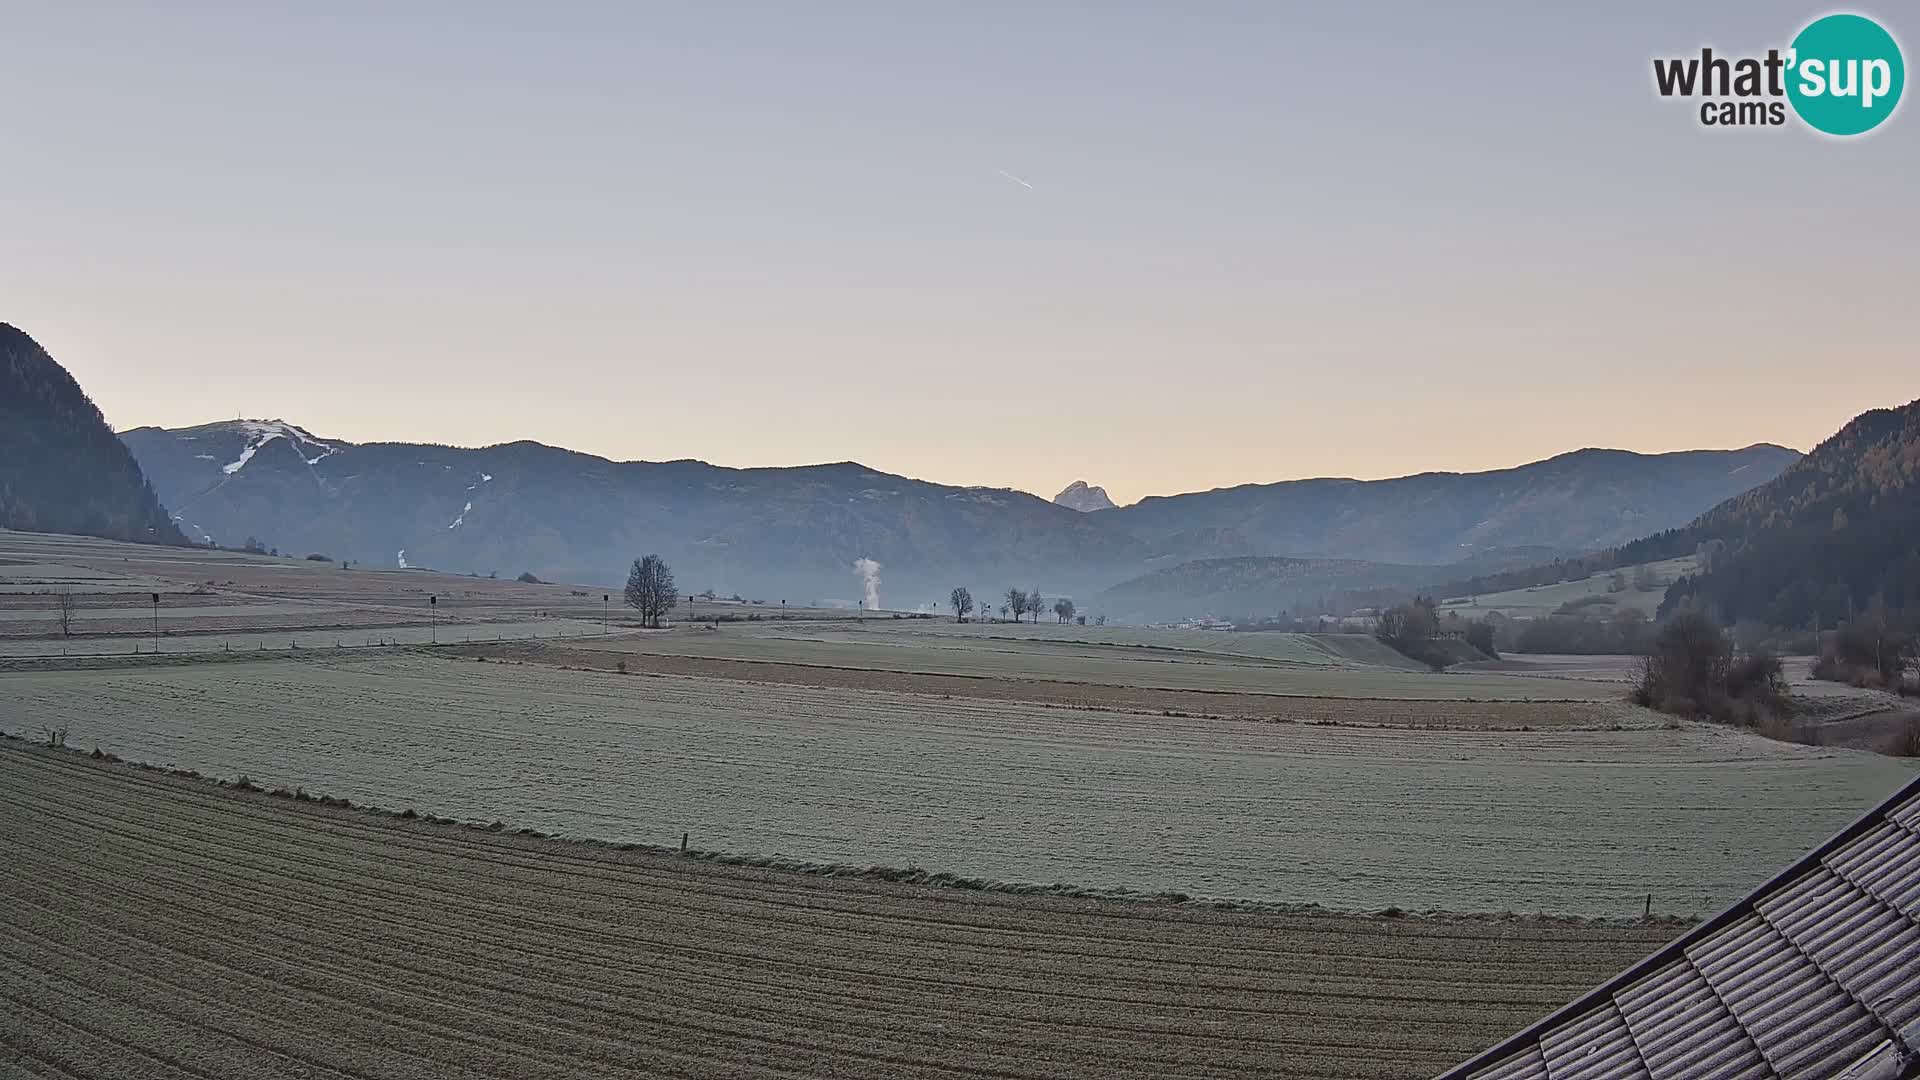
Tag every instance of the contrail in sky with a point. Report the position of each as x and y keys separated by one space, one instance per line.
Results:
x=1016 y=179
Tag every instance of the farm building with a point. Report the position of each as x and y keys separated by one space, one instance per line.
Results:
x=1814 y=975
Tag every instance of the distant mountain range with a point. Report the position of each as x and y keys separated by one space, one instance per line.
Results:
x=61 y=468
x=1575 y=502
x=794 y=533
x=783 y=533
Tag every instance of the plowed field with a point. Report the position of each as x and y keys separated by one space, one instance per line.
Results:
x=157 y=927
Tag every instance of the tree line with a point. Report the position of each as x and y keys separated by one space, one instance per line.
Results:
x=1019 y=604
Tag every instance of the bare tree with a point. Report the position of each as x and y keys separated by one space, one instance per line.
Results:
x=1099 y=620
x=1017 y=602
x=650 y=590
x=1003 y=611
x=1063 y=609
x=63 y=605
x=962 y=599
x=1036 y=604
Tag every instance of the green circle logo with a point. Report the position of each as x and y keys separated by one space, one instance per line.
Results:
x=1845 y=74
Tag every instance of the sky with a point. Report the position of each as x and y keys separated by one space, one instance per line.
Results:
x=1246 y=242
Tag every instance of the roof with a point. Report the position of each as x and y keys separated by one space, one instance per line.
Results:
x=1816 y=974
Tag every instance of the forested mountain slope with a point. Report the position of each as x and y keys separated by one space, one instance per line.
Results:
x=62 y=469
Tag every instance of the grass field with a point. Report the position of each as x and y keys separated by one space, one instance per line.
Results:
x=210 y=592
x=1583 y=822
x=909 y=647
x=1539 y=600
x=1338 y=650
x=1512 y=714
x=162 y=928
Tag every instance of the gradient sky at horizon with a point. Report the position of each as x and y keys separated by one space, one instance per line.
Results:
x=1262 y=241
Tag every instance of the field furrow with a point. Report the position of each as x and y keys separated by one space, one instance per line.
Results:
x=162 y=926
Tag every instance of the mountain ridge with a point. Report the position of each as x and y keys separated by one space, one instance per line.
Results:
x=771 y=531
x=1579 y=500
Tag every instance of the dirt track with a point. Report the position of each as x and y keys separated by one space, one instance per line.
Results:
x=160 y=927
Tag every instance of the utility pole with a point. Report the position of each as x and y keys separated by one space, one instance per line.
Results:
x=156 y=623
x=433 y=620
x=606 y=613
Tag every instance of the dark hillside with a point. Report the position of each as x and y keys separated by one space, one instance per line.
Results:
x=1836 y=533
x=62 y=469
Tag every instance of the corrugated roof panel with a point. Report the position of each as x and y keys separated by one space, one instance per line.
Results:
x=1596 y=1046
x=1885 y=861
x=1908 y=813
x=1811 y=972
x=1830 y=925
x=1808 y=894
x=1684 y=1031
x=1860 y=941
x=1799 y=1019
x=1528 y=1064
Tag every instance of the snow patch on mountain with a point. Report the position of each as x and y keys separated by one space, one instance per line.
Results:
x=259 y=433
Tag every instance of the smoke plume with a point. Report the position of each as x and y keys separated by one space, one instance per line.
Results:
x=869 y=572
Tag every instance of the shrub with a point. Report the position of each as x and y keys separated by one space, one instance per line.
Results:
x=317 y=557
x=1409 y=630
x=1480 y=635
x=1873 y=651
x=1692 y=670
x=527 y=578
x=1908 y=742
x=1757 y=674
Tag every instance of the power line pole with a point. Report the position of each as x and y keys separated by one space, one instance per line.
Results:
x=156 y=623
x=433 y=620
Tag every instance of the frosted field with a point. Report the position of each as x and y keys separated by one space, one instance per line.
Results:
x=1538 y=600
x=1566 y=822
x=1338 y=650
x=169 y=930
x=936 y=649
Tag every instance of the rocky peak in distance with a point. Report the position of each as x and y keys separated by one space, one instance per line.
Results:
x=1078 y=496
